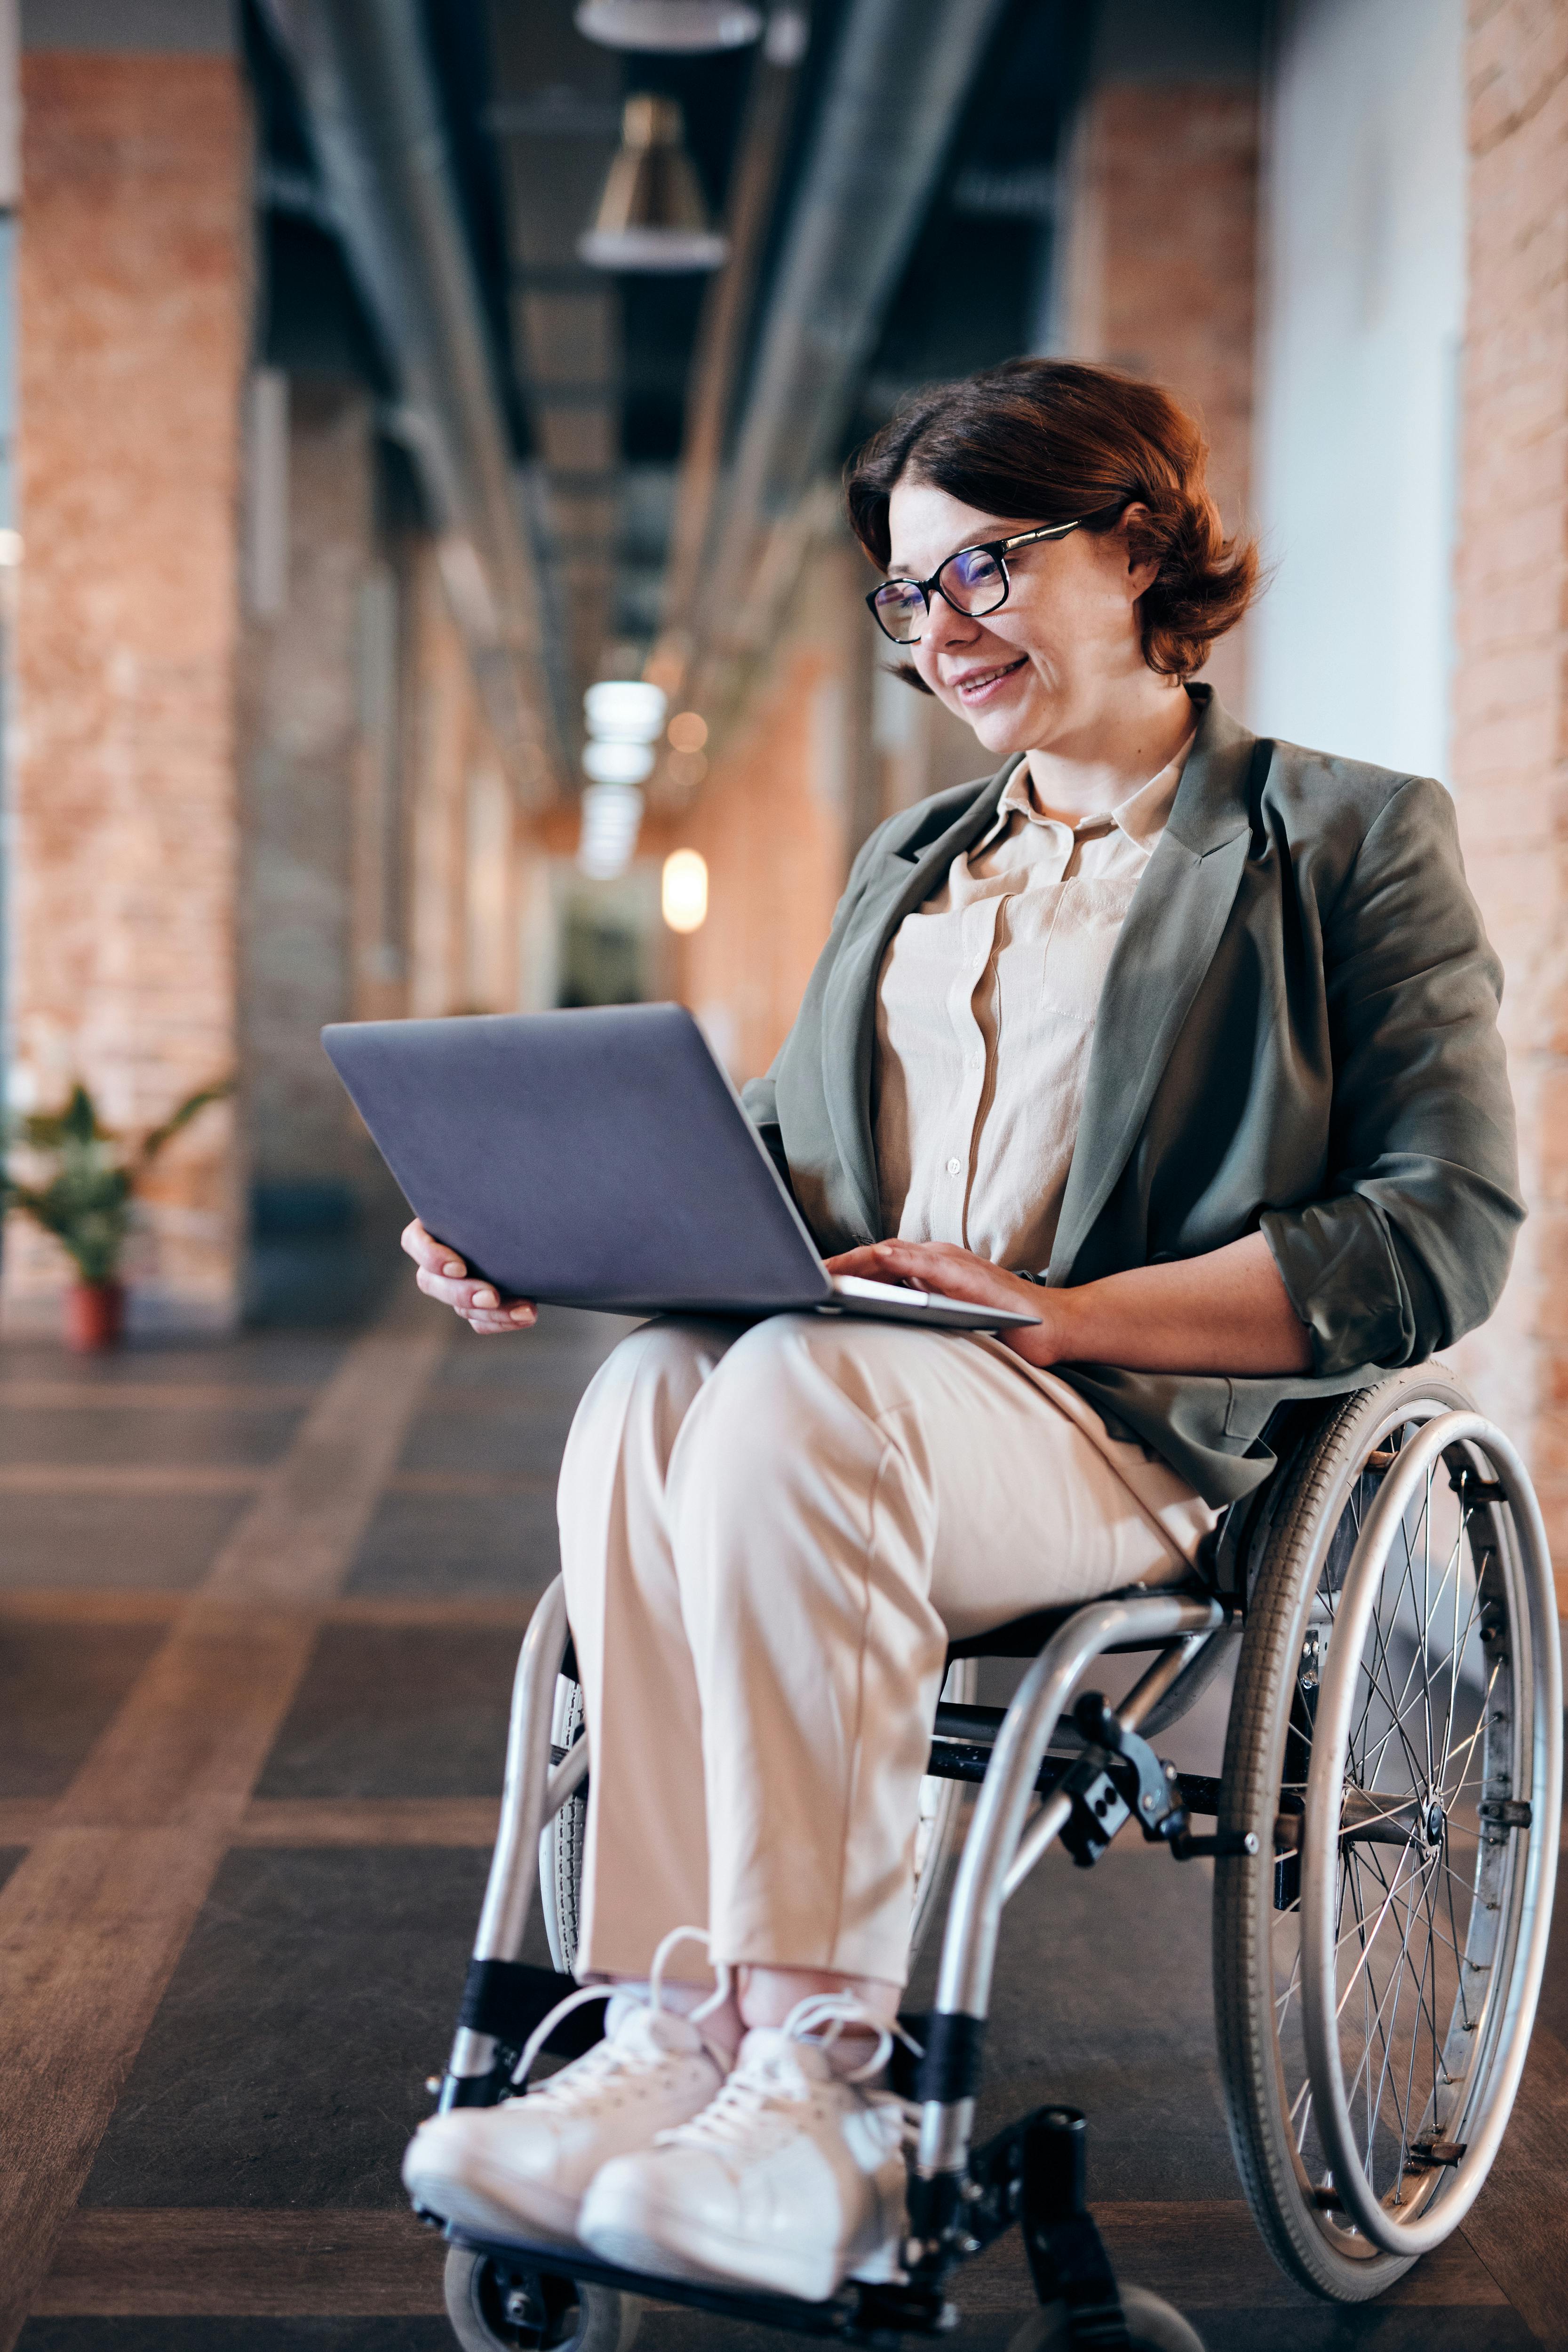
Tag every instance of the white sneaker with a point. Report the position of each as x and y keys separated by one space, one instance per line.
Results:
x=793 y=2178
x=519 y=2169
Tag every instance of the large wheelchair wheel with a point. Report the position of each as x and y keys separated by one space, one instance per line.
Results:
x=937 y=1831
x=1394 y=1749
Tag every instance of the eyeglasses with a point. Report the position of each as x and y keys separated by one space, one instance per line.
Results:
x=975 y=581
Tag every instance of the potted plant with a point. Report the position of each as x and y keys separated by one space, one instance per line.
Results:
x=87 y=1179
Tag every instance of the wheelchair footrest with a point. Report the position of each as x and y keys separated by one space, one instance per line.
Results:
x=1033 y=2173
x=857 y=2314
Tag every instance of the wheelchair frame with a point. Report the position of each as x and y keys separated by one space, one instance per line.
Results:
x=962 y=2197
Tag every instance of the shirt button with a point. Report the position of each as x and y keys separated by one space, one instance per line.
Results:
x=953 y=1166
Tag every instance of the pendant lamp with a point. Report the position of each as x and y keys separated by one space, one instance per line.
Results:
x=651 y=216
x=672 y=24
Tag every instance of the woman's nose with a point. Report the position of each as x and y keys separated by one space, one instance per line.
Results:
x=945 y=627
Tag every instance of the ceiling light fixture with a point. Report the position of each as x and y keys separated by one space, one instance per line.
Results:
x=625 y=710
x=611 y=818
x=651 y=216
x=671 y=24
x=624 y=717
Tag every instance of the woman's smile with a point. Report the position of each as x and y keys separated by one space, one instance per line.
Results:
x=975 y=686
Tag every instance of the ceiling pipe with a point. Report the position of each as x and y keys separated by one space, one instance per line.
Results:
x=375 y=123
x=902 y=71
x=719 y=336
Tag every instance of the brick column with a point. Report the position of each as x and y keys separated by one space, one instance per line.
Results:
x=133 y=303
x=1159 y=264
x=1511 y=700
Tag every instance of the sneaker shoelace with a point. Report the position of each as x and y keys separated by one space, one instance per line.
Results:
x=576 y=2085
x=762 y=2090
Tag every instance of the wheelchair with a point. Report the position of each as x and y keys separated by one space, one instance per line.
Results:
x=1383 y=1847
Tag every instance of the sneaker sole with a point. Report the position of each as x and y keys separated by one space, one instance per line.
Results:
x=634 y=2250
x=469 y=2207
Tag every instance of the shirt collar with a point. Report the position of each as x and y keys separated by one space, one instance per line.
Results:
x=1141 y=817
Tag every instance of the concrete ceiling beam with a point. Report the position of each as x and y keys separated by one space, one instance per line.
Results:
x=899 y=81
x=374 y=119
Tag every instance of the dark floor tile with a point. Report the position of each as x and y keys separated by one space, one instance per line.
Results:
x=1365 y=2327
x=235 y=2336
x=1553 y=2011
x=244 y=1438
x=525 y=1444
x=395 y=1711
x=59 y=1685
x=287 y=2062
x=240 y=1357
x=76 y=1540
x=443 y=1545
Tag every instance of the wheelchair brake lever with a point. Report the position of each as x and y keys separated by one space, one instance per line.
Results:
x=1155 y=1796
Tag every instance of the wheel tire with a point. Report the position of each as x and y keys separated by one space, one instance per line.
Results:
x=1153 y=2326
x=603 y=2321
x=561 y=1847
x=1301 y=1558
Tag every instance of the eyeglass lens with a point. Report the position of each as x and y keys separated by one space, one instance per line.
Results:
x=972 y=581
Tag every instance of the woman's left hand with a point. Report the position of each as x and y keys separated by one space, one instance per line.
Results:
x=954 y=1272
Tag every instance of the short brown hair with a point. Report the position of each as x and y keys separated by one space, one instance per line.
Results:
x=1055 y=439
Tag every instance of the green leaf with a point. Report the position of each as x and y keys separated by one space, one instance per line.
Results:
x=183 y=1116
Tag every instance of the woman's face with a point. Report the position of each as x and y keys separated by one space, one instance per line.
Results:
x=1047 y=662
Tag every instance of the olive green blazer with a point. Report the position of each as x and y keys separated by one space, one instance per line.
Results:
x=1297 y=1034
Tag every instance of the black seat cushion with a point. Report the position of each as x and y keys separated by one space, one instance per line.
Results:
x=1025 y=1637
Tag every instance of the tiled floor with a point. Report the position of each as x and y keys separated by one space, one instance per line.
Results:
x=259 y=1603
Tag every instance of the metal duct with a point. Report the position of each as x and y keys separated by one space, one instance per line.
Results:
x=901 y=75
x=366 y=81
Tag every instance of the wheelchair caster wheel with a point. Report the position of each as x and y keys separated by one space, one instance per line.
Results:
x=1151 y=2325
x=492 y=2311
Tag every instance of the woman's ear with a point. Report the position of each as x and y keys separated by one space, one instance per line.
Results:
x=1132 y=532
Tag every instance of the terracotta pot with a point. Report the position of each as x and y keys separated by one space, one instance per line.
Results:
x=95 y=1317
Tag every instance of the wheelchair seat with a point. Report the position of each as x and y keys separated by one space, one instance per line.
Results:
x=1025 y=1637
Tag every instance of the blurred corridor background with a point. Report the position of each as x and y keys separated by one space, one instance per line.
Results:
x=377 y=377
x=351 y=436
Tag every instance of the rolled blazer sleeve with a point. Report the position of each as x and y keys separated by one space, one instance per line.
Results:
x=1411 y=1245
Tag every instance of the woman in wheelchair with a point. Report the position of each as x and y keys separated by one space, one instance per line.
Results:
x=1184 y=1041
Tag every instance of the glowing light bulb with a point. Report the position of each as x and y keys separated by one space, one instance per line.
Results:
x=683 y=893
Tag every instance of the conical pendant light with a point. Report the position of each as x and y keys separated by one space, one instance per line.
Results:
x=651 y=215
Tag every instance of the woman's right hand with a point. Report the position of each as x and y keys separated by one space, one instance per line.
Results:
x=442 y=1275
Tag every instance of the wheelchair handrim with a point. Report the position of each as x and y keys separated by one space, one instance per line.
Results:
x=1432 y=2208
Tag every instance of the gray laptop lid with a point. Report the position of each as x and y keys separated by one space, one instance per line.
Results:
x=597 y=1158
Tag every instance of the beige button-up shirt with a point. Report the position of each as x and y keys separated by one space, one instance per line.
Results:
x=985 y=1013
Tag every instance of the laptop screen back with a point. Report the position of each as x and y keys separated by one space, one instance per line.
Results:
x=597 y=1158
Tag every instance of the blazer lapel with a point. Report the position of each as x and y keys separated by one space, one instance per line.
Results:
x=1167 y=944
x=849 y=1002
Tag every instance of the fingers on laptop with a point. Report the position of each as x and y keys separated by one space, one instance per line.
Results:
x=442 y=1276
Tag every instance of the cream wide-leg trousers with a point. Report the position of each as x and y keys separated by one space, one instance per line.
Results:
x=767 y=1535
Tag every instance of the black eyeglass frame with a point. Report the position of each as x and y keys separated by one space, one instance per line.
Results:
x=999 y=548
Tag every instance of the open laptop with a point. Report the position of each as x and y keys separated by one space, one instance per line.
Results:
x=601 y=1159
